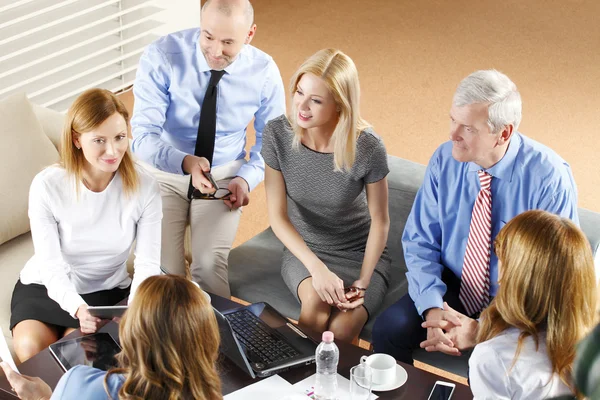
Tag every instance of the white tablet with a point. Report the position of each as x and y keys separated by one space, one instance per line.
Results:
x=107 y=312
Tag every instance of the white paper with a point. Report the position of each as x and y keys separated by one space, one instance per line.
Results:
x=5 y=352
x=307 y=386
x=271 y=388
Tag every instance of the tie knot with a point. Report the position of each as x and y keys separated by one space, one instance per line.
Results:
x=215 y=77
x=485 y=179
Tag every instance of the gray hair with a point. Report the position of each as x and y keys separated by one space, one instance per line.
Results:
x=227 y=8
x=493 y=88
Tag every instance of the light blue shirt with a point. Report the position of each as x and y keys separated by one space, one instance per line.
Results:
x=169 y=88
x=529 y=176
x=82 y=382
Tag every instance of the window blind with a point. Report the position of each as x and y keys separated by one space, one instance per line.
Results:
x=55 y=49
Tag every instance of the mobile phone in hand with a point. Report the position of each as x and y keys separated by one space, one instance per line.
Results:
x=209 y=176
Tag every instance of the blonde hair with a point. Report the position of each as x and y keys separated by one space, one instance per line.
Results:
x=170 y=340
x=339 y=73
x=88 y=111
x=547 y=284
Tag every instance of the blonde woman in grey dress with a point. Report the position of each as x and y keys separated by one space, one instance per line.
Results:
x=327 y=196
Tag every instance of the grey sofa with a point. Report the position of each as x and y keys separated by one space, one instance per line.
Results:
x=254 y=266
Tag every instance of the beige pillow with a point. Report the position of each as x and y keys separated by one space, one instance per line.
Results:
x=52 y=123
x=27 y=150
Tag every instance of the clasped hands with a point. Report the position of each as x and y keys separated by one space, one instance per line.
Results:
x=449 y=331
x=237 y=186
x=330 y=289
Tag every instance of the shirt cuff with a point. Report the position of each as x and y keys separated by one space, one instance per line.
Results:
x=74 y=300
x=427 y=300
x=250 y=176
x=175 y=163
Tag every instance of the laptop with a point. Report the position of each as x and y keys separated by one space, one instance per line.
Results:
x=262 y=342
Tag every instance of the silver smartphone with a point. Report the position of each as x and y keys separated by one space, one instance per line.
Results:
x=209 y=176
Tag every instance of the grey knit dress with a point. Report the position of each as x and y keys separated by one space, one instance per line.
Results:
x=328 y=208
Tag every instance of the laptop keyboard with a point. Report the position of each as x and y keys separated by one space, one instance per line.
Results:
x=258 y=337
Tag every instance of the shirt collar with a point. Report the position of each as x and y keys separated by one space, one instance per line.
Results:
x=504 y=168
x=203 y=65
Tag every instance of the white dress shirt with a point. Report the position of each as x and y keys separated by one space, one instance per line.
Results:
x=82 y=243
x=491 y=375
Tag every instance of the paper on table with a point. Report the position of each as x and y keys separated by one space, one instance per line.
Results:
x=307 y=386
x=271 y=388
x=5 y=352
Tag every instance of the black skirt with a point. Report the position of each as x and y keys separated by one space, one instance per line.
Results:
x=32 y=302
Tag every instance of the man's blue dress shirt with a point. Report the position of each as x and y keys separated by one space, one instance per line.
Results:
x=529 y=176
x=169 y=88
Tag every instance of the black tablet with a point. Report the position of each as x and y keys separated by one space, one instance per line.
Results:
x=97 y=350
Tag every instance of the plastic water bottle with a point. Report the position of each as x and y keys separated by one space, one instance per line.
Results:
x=327 y=358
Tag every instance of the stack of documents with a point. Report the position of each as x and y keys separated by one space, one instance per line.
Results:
x=277 y=388
x=5 y=352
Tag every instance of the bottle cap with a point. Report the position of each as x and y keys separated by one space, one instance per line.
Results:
x=327 y=336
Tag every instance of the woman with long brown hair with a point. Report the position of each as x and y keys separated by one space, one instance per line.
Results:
x=85 y=214
x=169 y=351
x=546 y=303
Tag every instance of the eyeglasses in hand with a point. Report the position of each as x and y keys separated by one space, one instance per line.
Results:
x=219 y=194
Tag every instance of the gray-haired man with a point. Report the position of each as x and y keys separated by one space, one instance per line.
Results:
x=484 y=176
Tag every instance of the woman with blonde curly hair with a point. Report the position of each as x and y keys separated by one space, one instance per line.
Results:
x=170 y=349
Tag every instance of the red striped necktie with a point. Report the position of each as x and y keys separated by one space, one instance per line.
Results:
x=475 y=285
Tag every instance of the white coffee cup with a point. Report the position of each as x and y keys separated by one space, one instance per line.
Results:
x=383 y=367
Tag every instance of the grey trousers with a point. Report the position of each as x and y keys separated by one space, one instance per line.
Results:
x=212 y=225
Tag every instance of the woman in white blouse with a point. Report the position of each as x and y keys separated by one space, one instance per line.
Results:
x=546 y=303
x=85 y=214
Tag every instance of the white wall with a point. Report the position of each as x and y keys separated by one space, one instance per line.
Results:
x=178 y=15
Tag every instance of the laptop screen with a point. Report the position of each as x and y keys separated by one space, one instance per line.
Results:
x=230 y=345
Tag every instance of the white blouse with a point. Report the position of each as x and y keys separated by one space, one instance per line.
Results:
x=82 y=244
x=491 y=376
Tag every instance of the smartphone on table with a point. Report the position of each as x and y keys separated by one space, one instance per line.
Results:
x=442 y=391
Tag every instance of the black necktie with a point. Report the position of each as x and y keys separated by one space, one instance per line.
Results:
x=205 y=141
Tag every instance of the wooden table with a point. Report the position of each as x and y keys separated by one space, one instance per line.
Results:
x=417 y=387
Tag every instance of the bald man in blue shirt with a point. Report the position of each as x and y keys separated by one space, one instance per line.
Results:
x=525 y=175
x=176 y=74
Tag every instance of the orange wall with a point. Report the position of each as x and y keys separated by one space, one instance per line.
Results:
x=412 y=54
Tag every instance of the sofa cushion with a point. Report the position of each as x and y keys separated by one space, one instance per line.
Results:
x=28 y=151
x=590 y=225
x=52 y=123
x=13 y=256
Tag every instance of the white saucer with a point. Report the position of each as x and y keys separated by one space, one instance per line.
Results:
x=401 y=378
